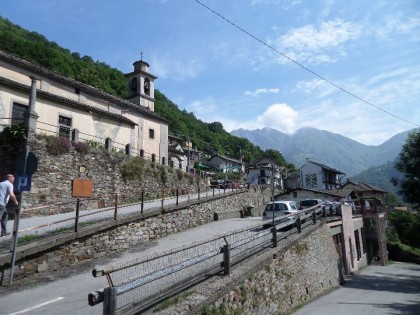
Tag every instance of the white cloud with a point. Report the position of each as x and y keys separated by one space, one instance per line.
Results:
x=258 y=92
x=330 y=34
x=318 y=45
x=279 y=116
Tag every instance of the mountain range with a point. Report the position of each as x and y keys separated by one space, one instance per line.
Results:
x=334 y=150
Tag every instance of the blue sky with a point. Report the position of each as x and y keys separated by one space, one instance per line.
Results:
x=242 y=78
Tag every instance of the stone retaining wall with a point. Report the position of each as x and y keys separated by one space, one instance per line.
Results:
x=51 y=190
x=302 y=268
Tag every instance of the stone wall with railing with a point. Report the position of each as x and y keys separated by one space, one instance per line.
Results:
x=51 y=187
x=302 y=268
x=105 y=238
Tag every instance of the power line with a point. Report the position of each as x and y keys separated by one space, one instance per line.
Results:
x=302 y=66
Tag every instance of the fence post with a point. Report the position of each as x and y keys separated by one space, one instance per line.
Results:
x=213 y=191
x=163 y=197
x=142 y=201
x=110 y=301
x=324 y=214
x=274 y=232
x=299 y=225
x=198 y=188
x=76 y=221
x=314 y=217
x=177 y=196
x=116 y=206
x=226 y=259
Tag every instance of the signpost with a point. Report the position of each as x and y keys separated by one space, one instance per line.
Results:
x=27 y=164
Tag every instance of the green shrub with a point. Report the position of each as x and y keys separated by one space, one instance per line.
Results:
x=59 y=145
x=14 y=132
x=133 y=169
x=81 y=147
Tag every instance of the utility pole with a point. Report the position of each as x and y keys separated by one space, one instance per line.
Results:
x=27 y=123
x=272 y=191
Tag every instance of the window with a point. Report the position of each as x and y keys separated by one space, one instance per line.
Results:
x=146 y=86
x=18 y=113
x=64 y=126
x=362 y=231
x=311 y=181
x=151 y=133
x=356 y=236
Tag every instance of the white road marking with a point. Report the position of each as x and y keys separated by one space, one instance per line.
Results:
x=37 y=306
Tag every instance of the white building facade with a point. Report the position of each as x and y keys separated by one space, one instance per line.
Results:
x=63 y=105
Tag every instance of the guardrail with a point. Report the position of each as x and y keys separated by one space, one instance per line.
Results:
x=140 y=283
x=71 y=221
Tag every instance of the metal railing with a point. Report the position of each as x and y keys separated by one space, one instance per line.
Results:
x=72 y=221
x=138 y=284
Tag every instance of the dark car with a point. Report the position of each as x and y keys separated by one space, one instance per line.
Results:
x=218 y=183
x=309 y=203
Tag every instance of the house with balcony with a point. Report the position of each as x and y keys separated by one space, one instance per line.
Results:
x=264 y=172
x=318 y=176
x=226 y=164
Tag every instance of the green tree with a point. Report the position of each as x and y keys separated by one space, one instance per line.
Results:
x=405 y=225
x=392 y=200
x=409 y=165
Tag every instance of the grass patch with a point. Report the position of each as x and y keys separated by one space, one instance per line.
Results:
x=171 y=301
x=28 y=238
x=405 y=248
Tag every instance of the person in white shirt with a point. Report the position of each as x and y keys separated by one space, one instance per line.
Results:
x=6 y=192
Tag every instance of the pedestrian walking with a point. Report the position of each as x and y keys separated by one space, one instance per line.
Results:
x=6 y=192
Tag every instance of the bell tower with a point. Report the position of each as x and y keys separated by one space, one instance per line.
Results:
x=141 y=86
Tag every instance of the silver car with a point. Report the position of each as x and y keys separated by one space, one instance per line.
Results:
x=280 y=209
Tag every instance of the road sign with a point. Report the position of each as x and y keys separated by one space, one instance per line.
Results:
x=23 y=182
x=31 y=163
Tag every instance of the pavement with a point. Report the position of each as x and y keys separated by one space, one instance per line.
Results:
x=66 y=291
x=376 y=290
x=43 y=225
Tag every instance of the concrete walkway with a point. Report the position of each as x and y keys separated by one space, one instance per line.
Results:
x=376 y=290
x=42 y=225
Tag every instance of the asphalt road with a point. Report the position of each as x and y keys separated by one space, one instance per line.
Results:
x=66 y=292
x=376 y=290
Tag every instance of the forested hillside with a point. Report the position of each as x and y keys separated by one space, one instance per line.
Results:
x=380 y=176
x=37 y=49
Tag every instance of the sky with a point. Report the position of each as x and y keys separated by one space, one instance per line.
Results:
x=348 y=67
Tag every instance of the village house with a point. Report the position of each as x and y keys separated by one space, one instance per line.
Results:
x=298 y=194
x=181 y=153
x=226 y=164
x=317 y=176
x=264 y=172
x=72 y=109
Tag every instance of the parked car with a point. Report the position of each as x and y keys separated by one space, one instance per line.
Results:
x=280 y=209
x=218 y=183
x=329 y=206
x=309 y=203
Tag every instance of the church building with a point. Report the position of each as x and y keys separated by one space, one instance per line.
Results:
x=68 y=108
